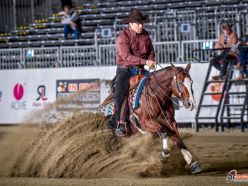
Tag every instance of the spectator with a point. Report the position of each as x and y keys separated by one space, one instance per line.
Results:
x=227 y=39
x=71 y=22
x=243 y=58
x=66 y=3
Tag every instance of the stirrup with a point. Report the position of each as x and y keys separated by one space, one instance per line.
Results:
x=121 y=129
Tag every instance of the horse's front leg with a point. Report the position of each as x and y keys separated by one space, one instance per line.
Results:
x=195 y=168
x=173 y=133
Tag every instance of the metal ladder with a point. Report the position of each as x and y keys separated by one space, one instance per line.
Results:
x=229 y=110
x=199 y=120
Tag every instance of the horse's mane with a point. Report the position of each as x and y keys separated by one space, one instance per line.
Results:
x=165 y=69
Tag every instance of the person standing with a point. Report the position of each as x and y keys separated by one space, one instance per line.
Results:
x=134 y=49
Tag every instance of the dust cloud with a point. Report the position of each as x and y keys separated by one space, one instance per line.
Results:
x=83 y=146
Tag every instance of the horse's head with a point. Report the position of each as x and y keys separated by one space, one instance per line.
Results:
x=182 y=86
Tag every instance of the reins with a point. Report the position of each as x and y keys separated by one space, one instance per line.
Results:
x=156 y=95
x=161 y=90
x=159 y=108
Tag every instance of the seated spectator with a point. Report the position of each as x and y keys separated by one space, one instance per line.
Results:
x=71 y=22
x=66 y=3
x=243 y=58
x=227 y=39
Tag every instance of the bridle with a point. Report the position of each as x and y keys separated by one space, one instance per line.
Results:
x=179 y=85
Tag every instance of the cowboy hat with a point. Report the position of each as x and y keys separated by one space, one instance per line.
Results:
x=135 y=16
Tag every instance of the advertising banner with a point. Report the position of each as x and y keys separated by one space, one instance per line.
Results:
x=23 y=91
x=85 y=94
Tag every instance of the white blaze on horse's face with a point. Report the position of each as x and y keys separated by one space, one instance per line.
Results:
x=188 y=84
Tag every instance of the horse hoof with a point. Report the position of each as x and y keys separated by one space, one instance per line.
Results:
x=166 y=152
x=195 y=168
x=164 y=155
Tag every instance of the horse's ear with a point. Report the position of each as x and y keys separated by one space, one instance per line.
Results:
x=173 y=66
x=188 y=67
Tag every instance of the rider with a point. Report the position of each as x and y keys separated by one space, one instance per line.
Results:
x=134 y=49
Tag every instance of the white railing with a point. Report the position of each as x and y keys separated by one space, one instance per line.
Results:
x=167 y=52
x=11 y=58
x=188 y=54
x=102 y=55
x=41 y=57
x=107 y=56
x=78 y=56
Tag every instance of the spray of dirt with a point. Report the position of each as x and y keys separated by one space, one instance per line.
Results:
x=79 y=144
x=83 y=146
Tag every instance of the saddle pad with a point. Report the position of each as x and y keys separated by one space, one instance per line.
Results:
x=107 y=110
x=138 y=93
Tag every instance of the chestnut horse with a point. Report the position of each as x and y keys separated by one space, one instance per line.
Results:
x=156 y=113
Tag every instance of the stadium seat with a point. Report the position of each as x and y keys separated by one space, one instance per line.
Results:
x=165 y=19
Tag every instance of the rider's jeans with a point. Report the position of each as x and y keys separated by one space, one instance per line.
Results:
x=121 y=90
x=226 y=59
x=243 y=59
x=68 y=29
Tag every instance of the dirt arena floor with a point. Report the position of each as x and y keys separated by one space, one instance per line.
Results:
x=82 y=151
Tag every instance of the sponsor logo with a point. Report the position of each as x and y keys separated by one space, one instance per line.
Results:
x=62 y=86
x=18 y=92
x=233 y=176
x=72 y=87
x=41 y=90
x=85 y=94
x=216 y=88
x=41 y=99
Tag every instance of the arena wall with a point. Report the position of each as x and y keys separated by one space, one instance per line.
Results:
x=26 y=90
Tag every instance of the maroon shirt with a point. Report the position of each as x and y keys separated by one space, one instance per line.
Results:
x=133 y=49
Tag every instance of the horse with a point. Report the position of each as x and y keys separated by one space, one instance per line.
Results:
x=156 y=113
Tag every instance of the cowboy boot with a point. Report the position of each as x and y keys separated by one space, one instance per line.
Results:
x=121 y=129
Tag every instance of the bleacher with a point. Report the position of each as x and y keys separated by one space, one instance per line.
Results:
x=49 y=32
x=166 y=17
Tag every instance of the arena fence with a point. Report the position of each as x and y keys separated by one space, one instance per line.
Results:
x=98 y=55
x=11 y=58
x=188 y=48
x=78 y=56
x=41 y=57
